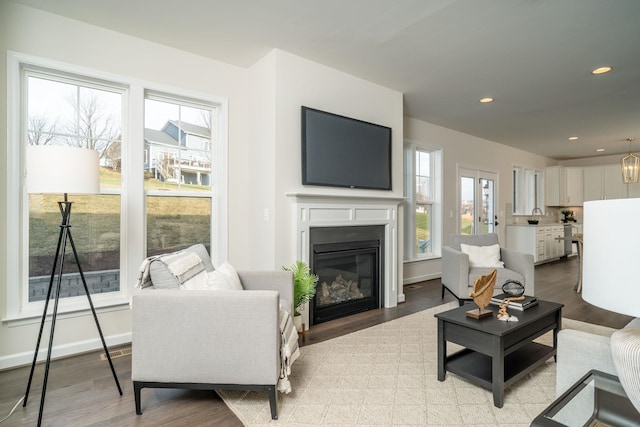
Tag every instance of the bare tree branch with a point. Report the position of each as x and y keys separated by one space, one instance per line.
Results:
x=93 y=125
x=40 y=131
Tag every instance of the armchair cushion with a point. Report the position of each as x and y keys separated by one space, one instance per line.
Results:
x=483 y=256
x=224 y=277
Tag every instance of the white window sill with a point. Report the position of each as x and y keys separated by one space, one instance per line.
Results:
x=76 y=310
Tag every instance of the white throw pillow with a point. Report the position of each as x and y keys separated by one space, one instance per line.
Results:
x=224 y=277
x=483 y=256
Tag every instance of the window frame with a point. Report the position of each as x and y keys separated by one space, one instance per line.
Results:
x=132 y=194
x=523 y=201
x=183 y=101
x=410 y=201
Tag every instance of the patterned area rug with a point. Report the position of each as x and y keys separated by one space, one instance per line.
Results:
x=386 y=375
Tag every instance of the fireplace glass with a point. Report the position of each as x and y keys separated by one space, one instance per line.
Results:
x=348 y=280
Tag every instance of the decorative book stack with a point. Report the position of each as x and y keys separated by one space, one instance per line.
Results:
x=521 y=305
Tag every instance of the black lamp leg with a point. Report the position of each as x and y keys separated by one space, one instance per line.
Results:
x=95 y=316
x=63 y=227
x=65 y=233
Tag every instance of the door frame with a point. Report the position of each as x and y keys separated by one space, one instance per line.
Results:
x=478 y=173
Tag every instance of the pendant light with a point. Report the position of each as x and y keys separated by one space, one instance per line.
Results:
x=630 y=165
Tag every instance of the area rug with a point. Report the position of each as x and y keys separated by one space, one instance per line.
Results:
x=386 y=375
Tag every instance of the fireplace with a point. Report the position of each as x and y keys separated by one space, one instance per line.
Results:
x=349 y=262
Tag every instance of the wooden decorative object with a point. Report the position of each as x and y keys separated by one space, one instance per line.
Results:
x=481 y=294
x=502 y=312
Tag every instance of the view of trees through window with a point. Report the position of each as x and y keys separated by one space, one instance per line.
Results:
x=62 y=112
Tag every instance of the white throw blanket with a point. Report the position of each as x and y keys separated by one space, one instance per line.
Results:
x=289 y=350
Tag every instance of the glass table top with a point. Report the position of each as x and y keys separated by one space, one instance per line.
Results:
x=596 y=400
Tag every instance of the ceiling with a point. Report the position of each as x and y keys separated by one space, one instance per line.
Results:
x=533 y=56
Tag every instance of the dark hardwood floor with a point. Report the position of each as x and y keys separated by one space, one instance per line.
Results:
x=81 y=390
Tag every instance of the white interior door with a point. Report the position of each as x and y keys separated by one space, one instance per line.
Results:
x=478 y=201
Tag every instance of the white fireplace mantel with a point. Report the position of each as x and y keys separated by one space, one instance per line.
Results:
x=321 y=210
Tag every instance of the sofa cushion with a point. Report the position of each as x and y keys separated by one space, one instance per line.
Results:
x=186 y=267
x=625 y=352
x=224 y=277
x=634 y=323
x=483 y=256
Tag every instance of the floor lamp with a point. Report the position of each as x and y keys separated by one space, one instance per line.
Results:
x=611 y=278
x=62 y=170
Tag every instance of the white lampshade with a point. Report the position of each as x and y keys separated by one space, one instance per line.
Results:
x=62 y=169
x=611 y=255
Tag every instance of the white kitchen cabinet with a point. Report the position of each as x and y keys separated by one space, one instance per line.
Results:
x=553 y=246
x=563 y=186
x=603 y=182
x=574 y=186
x=540 y=241
x=633 y=190
x=613 y=186
x=524 y=238
x=554 y=179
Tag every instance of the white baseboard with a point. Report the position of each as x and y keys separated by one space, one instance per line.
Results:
x=424 y=277
x=26 y=358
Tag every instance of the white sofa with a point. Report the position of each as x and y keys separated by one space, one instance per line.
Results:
x=207 y=340
x=579 y=352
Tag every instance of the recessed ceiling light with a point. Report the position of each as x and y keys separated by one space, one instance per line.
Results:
x=601 y=70
x=600 y=150
x=573 y=138
x=486 y=100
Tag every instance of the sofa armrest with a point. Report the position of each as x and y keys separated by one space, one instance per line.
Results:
x=522 y=263
x=216 y=337
x=281 y=281
x=455 y=271
x=578 y=353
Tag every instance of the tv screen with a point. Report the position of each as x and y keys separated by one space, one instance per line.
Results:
x=340 y=151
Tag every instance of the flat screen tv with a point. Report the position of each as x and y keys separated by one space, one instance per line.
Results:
x=339 y=151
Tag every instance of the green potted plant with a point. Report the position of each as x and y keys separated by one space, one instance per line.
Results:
x=568 y=215
x=304 y=288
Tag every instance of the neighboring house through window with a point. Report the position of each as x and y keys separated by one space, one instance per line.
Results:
x=178 y=170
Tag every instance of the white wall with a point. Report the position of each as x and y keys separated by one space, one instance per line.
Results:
x=462 y=150
x=302 y=82
x=34 y=32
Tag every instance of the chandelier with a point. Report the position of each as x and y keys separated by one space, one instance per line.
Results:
x=630 y=165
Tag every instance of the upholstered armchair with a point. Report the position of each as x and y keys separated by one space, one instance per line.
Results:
x=209 y=339
x=471 y=256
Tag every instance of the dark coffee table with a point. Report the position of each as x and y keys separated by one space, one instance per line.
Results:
x=496 y=353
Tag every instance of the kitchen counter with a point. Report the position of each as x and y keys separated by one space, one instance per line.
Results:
x=545 y=224
x=540 y=240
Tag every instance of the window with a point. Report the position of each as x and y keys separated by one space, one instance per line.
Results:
x=423 y=202
x=159 y=189
x=69 y=111
x=178 y=173
x=528 y=194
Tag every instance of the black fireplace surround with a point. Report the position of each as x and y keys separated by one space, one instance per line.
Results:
x=349 y=262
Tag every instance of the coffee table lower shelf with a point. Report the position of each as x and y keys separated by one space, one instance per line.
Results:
x=477 y=367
